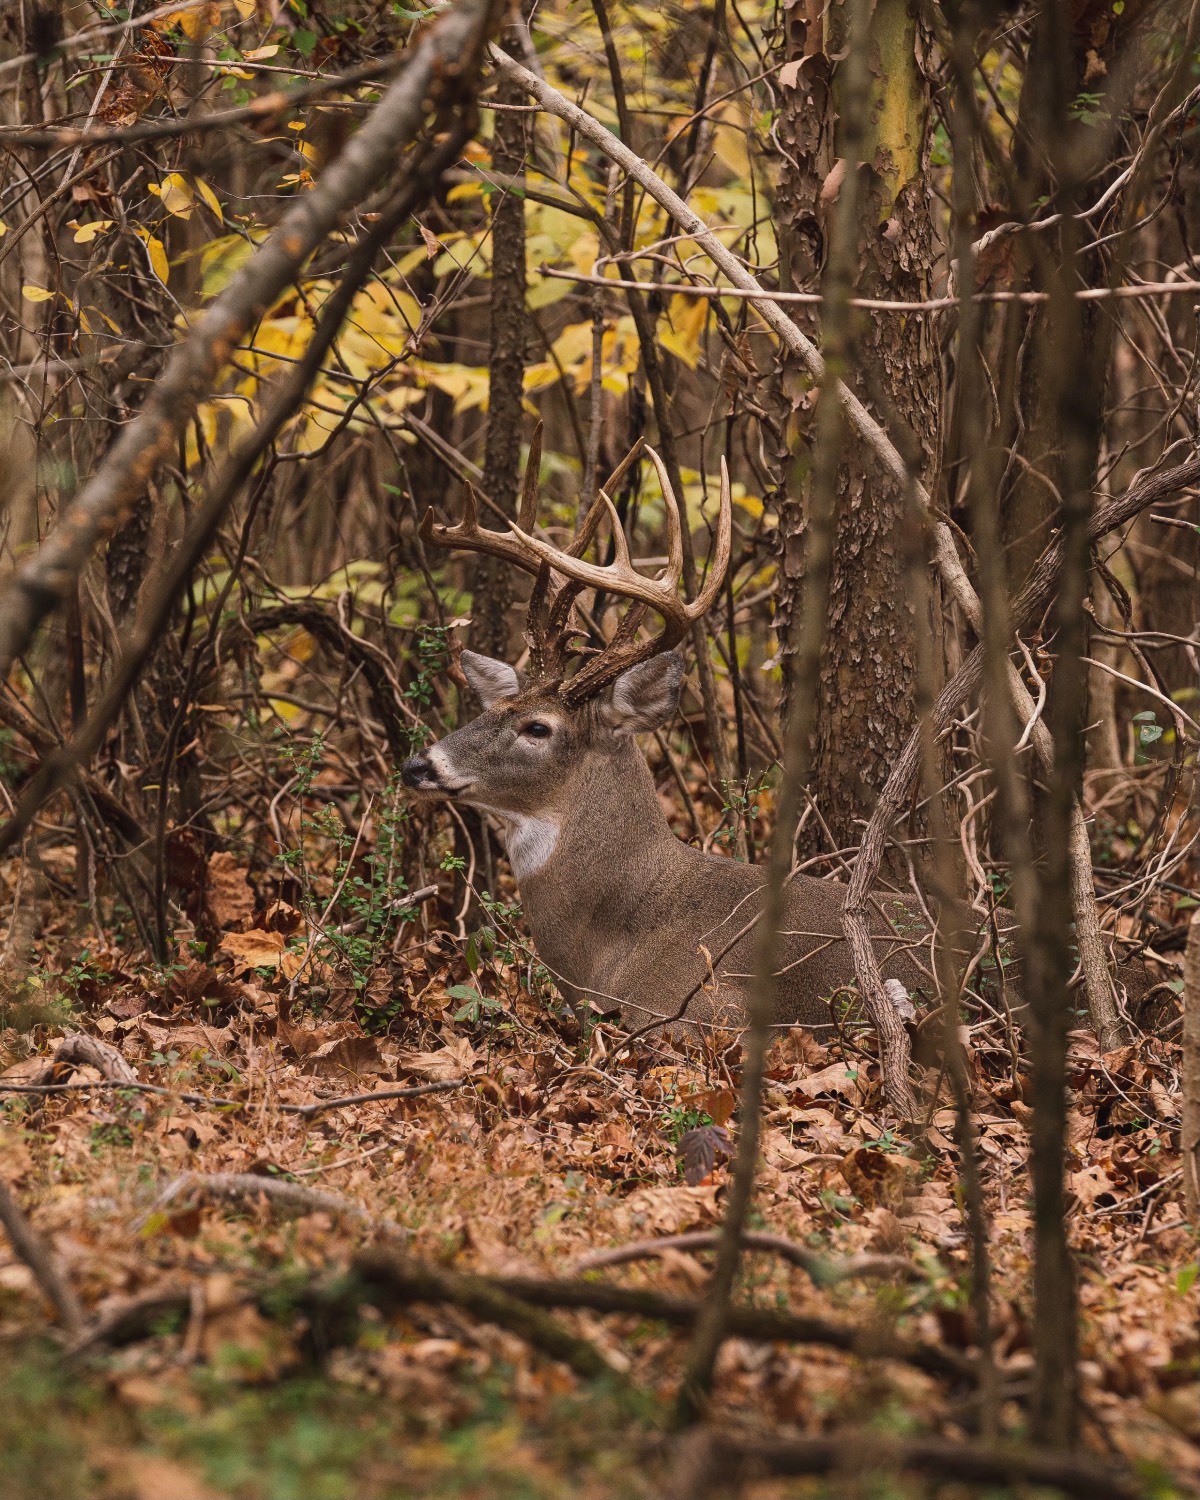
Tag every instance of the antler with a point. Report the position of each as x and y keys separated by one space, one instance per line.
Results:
x=546 y=630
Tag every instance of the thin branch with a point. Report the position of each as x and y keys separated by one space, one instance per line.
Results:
x=441 y=70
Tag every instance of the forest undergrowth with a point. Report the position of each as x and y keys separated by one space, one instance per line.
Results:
x=331 y=949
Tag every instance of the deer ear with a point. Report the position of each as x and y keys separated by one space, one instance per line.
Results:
x=491 y=679
x=645 y=696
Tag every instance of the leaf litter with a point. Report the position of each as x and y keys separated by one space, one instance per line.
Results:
x=536 y=1152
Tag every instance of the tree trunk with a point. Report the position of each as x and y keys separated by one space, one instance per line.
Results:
x=491 y=578
x=867 y=681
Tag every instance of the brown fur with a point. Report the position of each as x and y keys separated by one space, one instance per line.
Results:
x=622 y=911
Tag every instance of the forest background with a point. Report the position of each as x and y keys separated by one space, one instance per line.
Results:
x=276 y=276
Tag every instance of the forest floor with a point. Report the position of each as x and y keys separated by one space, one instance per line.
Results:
x=544 y=1147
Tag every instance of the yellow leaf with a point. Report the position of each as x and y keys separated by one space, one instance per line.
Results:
x=210 y=198
x=300 y=646
x=198 y=22
x=260 y=54
x=220 y=259
x=176 y=194
x=159 y=263
x=86 y=233
x=689 y=318
x=461 y=191
x=3 y=227
x=729 y=143
x=36 y=293
x=245 y=8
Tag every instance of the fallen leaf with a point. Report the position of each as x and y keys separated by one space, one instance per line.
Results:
x=350 y=1054
x=228 y=894
x=669 y=1210
x=454 y=1061
x=255 y=949
x=700 y=1149
x=880 y=1179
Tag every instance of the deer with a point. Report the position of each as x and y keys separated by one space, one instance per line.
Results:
x=624 y=914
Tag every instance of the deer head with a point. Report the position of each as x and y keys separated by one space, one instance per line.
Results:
x=543 y=738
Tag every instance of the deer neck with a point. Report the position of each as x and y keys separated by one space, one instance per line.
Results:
x=607 y=839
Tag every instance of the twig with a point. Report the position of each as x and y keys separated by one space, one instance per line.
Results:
x=267 y=107
x=764 y=295
x=37 y=1255
x=823 y=1270
x=1189 y=1127
x=215 y=1101
x=440 y=70
x=413 y=1091
x=806 y=640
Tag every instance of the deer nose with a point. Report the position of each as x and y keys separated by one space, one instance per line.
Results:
x=419 y=771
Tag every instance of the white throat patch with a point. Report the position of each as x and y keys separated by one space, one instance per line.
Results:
x=528 y=841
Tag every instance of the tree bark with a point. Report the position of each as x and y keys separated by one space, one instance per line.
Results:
x=491 y=578
x=866 y=688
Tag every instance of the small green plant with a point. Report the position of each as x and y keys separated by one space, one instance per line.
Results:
x=740 y=806
x=353 y=930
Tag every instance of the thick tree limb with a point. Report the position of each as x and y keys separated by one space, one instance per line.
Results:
x=763 y=1325
x=441 y=69
x=714 y=1459
x=79 y=1048
x=37 y=1255
x=824 y=1270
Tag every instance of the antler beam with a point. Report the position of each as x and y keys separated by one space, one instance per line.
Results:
x=519 y=546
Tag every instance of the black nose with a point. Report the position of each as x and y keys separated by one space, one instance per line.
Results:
x=418 y=772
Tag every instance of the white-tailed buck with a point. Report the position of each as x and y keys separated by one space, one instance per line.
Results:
x=621 y=910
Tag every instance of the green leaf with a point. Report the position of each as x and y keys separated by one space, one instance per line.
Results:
x=1187 y=1278
x=463 y=992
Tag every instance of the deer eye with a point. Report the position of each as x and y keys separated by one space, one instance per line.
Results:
x=537 y=730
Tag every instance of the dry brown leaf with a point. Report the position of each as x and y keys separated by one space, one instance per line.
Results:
x=255 y=949
x=880 y=1179
x=670 y=1210
x=1088 y=1184
x=230 y=900
x=838 y=1078
x=29 y=1070
x=349 y=1054
x=453 y=1061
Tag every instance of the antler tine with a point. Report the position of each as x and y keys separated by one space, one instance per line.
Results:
x=529 y=494
x=615 y=478
x=674 y=569
x=471 y=537
x=621 y=560
x=588 y=529
x=537 y=624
